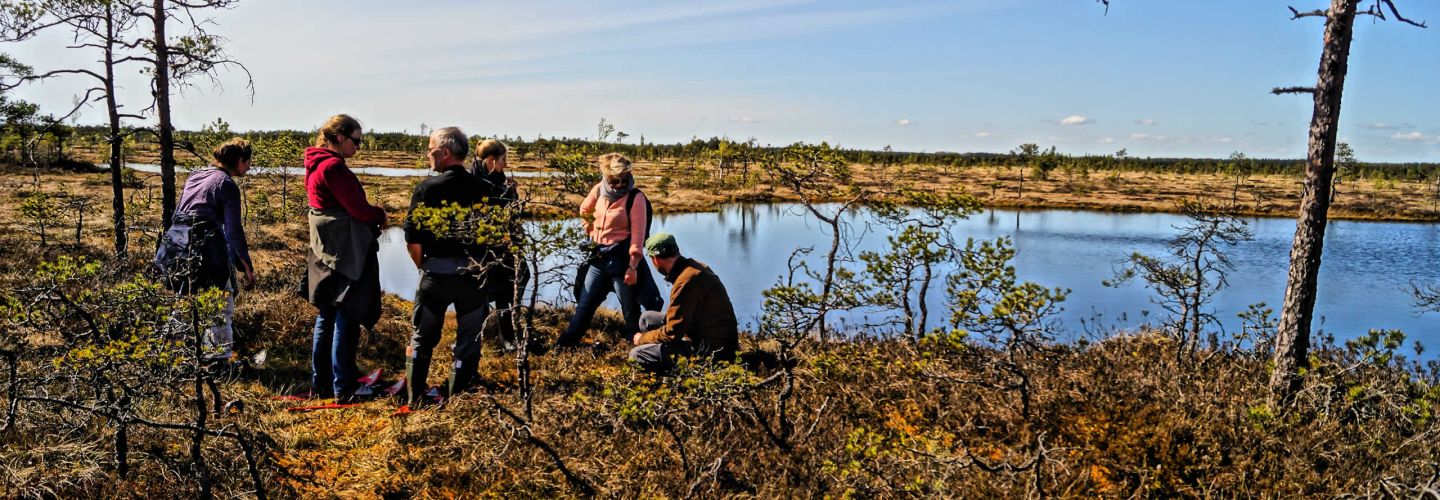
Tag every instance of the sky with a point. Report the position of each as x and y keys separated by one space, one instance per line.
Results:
x=1158 y=78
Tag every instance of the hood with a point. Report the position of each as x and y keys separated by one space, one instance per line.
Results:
x=314 y=157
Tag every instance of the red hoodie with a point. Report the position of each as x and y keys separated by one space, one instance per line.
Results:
x=331 y=184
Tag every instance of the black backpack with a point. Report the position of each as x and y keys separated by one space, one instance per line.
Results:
x=649 y=209
x=191 y=256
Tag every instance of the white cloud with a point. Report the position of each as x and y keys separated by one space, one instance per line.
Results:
x=1414 y=137
x=1146 y=122
x=904 y=122
x=747 y=119
x=1138 y=136
x=1106 y=140
x=1076 y=120
x=983 y=134
x=1386 y=126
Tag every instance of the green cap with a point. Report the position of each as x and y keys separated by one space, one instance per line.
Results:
x=661 y=245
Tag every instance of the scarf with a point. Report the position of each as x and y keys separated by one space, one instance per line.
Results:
x=612 y=194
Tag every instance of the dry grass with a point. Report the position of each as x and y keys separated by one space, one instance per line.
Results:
x=1119 y=418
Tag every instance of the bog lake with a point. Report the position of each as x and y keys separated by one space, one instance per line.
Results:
x=1365 y=276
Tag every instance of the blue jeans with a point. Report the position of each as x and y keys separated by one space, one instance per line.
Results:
x=605 y=276
x=332 y=369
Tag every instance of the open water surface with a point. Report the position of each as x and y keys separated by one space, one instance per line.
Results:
x=1364 y=278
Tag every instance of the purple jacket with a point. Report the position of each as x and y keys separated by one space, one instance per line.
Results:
x=212 y=195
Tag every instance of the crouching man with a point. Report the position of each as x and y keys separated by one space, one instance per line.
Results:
x=699 y=322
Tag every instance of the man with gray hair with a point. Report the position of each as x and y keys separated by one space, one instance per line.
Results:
x=700 y=320
x=446 y=263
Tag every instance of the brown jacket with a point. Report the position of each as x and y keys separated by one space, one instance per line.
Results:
x=699 y=310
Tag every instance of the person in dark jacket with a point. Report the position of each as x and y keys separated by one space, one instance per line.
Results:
x=506 y=268
x=700 y=320
x=452 y=266
x=208 y=218
x=343 y=279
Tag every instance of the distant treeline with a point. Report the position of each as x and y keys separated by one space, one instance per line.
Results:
x=730 y=152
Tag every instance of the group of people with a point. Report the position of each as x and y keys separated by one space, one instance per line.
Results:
x=478 y=279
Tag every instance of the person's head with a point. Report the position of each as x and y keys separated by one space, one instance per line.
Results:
x=663 y=251
x=340 y=134
x=491 y=153
x=234 y=156
x=448 y=147
x=615 y=168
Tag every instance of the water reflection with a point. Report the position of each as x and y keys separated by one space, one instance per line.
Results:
x=1362 y=283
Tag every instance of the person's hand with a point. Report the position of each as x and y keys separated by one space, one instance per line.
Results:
x=248 y=280
x=636 y=339
x=631 y=276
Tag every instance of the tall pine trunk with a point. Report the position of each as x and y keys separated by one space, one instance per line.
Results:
x=162 y=111
x=1292 y=344
x=117 y=185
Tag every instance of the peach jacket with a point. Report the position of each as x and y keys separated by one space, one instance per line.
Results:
x=610 y=225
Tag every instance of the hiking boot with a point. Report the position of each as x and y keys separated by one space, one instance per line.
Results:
x=361 y=393
x=435 y=396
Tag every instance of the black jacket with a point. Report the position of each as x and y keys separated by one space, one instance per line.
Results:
x=499 y=190
x=452 y=186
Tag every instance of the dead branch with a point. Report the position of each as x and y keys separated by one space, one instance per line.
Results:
x=127 y=418
x=1395 y=12
x=1295 y=14
x=713 y=473
x=1377 y=10
x=1292 y=90
x=523 y=427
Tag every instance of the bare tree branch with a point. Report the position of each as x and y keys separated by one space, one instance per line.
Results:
x=15 y=32
x=1292 y=90
x=79 y=103
x=1295 y=14
x=1395 y=12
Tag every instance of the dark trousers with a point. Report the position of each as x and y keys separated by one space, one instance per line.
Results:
x=437 y=292
x=660 y=357
x=508 y=273
x=332 y=363
x=605 y=276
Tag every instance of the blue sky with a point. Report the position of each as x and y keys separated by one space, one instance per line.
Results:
x=1159 y=78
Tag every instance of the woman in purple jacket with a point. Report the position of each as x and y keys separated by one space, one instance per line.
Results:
x=210 y=208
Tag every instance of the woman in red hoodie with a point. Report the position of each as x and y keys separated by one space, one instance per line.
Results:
x=342 y=271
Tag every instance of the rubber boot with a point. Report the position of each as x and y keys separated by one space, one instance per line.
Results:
x=417 y=372
x=461 y=378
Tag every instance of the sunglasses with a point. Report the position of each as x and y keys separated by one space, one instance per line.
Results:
x=357 y=140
